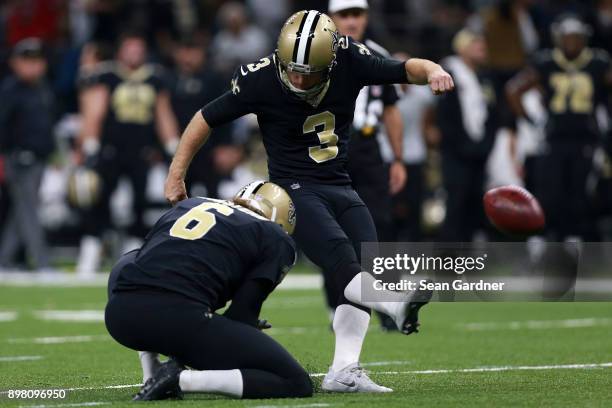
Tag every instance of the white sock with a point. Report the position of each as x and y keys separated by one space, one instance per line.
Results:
x=90 y=253
x=393 y=302
x=149 y=362
x=350 y=327
x=226 y=382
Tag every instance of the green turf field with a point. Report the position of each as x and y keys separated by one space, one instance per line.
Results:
x=467 y=354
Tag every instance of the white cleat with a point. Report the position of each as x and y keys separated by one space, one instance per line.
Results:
x=408 y=320
x=352 y=378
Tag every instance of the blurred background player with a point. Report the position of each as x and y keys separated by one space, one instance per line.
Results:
x=370 y=177
x=416 y=105
x=239 y=40
x=125 y=104
x=467 y=122
x=26 y=141
x=192 y=85
x=575 y=81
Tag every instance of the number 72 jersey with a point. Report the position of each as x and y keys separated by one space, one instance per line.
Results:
x=305 y=141
x=572 y=91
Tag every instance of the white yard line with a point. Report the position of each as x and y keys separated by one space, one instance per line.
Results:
x=492 y=369
x=65 y=279
x=538 y=324
x=75 y=404
x=317 y=404
x=586 y=366
x=10 y=359
x=81 y=316
x=384 y=363
x=8 y=316
x=57 y=340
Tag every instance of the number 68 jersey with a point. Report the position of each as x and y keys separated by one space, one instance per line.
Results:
x=205 y=248
x=305 y=140
x=572 y=91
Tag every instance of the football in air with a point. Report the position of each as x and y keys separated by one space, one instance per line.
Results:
x=514 y=211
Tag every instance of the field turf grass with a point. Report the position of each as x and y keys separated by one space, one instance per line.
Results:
x=300 y=324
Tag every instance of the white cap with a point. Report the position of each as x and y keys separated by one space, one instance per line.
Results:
x=339 y=5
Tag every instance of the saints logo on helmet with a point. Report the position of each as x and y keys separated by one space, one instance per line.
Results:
x=270 y=201
x=307 y=45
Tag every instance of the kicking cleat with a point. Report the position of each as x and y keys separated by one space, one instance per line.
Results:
x=408 y=322
x=352 y=378
x=163 y=385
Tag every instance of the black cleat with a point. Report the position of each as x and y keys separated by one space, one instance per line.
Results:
x=163 y=385
x=411 y=322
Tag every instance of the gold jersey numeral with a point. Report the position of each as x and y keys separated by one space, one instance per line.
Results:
x=134 y=102
x=264 y=62
x=196 y=223
x=573 y=92
x=328 y=148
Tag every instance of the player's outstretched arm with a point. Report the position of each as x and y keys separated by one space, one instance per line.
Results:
x=423 y=72
x=194 y=136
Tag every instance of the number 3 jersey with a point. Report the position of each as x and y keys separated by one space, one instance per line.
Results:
x=205 y=248
x=572 y=91
x=305 y=142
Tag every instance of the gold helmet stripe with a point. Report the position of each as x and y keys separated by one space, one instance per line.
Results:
x=305 y=36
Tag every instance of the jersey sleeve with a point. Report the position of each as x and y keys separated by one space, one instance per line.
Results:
x=101 y=74
x=160 y=78
x=232 y=104
x=370 y=69
x=278 y=255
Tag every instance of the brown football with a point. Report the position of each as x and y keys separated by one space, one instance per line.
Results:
x=514 y=211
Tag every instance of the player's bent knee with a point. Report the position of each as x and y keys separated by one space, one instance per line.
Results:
x=301 y=386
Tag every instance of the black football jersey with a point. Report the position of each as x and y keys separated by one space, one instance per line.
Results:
x=205 y=248
x=131 y=111
x=305 y=143
x=572 y=91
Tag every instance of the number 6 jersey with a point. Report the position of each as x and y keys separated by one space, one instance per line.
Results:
x=305 y=141
x=205 y=248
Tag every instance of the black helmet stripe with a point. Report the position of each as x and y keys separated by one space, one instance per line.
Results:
x=297 y=38
x=251 y=189
x=310 y=37
x=305 y=35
